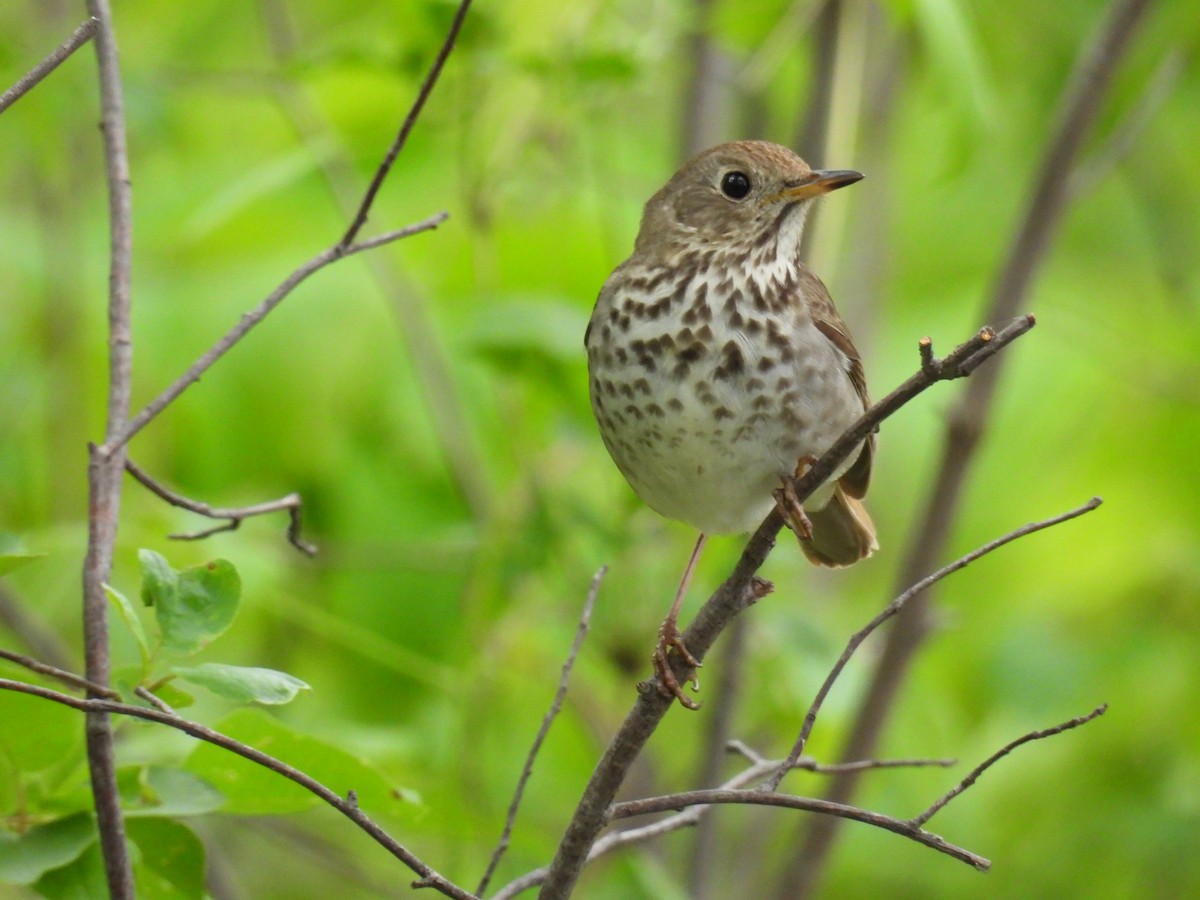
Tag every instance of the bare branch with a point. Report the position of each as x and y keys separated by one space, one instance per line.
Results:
x=250 y=319
x=30 y=79
x=234 y=515
x=104 y=471
x=364 y=209
x=918 y=821
x=892 y=609
x=825 y=807
x=560 y=694
x=740 y=590
x=68 y=678
x=347 y=806
x=695 y=815
x=154 y=700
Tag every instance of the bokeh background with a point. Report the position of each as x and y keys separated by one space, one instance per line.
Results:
x=429 y=403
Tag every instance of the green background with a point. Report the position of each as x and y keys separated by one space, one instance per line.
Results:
x=429 y=403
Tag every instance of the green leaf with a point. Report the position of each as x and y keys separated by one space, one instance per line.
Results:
x=200 y=608
x=172 y=860
x=244 y=683
x=10 y=561
x=129 y=616
x=159 y=580
x=251 y=789
x=24 y=858
x=81 y=879
x=159 y=791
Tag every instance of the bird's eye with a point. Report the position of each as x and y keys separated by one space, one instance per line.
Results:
x=735 y=185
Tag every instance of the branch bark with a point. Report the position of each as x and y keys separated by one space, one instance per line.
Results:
x=965 y=427
x=27 y=82
x=104 y=471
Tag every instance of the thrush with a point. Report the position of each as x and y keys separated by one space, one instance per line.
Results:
x=718 y=364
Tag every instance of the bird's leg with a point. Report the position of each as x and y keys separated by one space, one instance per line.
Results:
x=789 y=505
x=670 y=638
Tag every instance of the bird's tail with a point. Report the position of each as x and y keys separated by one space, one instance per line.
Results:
x=842 y=532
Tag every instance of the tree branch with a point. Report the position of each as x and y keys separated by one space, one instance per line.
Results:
x=739 y=591
x=27 y=82
x=973 y=776
x=560 y=694
x=234 y=514
x=809 y=804
x=104 y=471
x=250 y=319
x=695 y=815
x=364 y=208
x=347 y=806
x=895 y=607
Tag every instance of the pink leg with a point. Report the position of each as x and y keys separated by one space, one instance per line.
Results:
x=670 y=638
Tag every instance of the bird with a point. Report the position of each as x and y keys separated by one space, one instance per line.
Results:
x=718 y=364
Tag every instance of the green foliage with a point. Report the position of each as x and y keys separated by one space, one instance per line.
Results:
x=430 y=406
x=193 y=606
x=245 y=684
x=26 y=857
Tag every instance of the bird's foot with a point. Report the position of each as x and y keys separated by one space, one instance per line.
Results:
x=670 y=638
x=789 y=504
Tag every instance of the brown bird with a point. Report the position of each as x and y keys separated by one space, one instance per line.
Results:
x=718 y=364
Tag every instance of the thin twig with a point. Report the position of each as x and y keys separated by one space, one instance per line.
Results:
x=739 y=590
x=30 y=79
x=347 y=806
x=1046 y=203
x=233 y=514
x=154 y=700
x=809 y=804
x=68 y=678
x=104 y=471
x=895 y=607
x=560 y=694
x=250 y=319
x=364 y=209
x=940 y=804
x=694 y=815
x=435 y=378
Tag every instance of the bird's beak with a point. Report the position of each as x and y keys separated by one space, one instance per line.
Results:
x=820 y=182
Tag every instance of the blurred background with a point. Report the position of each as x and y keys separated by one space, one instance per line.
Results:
x=429 y=402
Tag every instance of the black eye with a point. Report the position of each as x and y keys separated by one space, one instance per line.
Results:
x=735 y=185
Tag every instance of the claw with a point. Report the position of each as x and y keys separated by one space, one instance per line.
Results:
x=789 y=504
x=669 y=638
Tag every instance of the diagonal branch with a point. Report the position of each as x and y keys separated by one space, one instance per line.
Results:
x=973 y=776
x=364 y=208
x=250 y=319
x=759 y=768
x=895 y=607
x=234 y=515
x=902 y=827
x=27 y=82
x=347 y=806
x=740 y=590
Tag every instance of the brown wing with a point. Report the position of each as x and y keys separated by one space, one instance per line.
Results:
x=829 y=323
